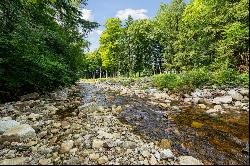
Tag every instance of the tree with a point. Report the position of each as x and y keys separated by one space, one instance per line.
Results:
x=110 y=47
x=167 y=25
x=40 y=45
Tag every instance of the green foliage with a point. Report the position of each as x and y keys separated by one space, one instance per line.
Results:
x=40 y=45
x=200 y=77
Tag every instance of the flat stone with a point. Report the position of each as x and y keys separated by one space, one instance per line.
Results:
x=202 y=106
x=5 y=118
x=235 y=95
x=223 y=100
x=7 y=124
x=14 y=161
x=97 y=143
x=45 y=161
x=218 y=107
x=19 y=133
x=189 y=160
x=94 y=156
x=212 y=111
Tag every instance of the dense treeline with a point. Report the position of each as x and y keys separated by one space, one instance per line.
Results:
x=205 y=33
x=41 y=44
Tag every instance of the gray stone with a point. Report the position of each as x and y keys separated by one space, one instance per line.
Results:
x=235 y=95
x=223 y=100
x=189 y=160
x=14 y=161
x=244 y=92
x=166 y=154
x=45 y=161
x=7 y=124
x=18 y=133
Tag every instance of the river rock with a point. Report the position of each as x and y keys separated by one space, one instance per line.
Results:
x=66 y=146
x=45 y=161
x=14 y=161
x=30 y=96
x=97 y=143
x=102 y=160
x=235 y=95
x=223 y=100
x=152 y=160
x=7 y=124
x=189 y=160
x=166 y=154
x=244 y=92
x=18 y=133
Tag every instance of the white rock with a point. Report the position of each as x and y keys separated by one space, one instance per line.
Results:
x=14 y=161
x=166 y=153
x=19 y=133
x=212 y=111
x=6 y=118
x=223 y=99
x=203 y=106
x=237 y=104
x=235 y=95
x=197 y=93
x=7 y=124
x=189 y=160
x=244 y=91
x=145 y=153
x=218 y=107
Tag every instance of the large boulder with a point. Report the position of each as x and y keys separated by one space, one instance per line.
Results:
x=189 y=160
x=18 y=133
x=7 y=124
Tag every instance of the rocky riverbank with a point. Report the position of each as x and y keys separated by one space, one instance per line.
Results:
x=108 y=123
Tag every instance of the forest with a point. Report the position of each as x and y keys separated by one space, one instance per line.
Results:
x=211 y=34
x=43 y=43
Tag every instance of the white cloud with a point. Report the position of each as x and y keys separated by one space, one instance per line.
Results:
x=135 y=13
x=87 y=14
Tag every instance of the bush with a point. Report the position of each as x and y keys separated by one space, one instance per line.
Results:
x=197 y=78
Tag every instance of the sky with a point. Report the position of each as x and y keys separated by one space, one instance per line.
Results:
x=101 y=10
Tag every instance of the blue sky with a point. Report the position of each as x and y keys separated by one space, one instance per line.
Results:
x=101 y=10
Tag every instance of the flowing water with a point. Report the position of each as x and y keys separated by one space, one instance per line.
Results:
x=213 y=140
